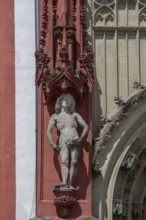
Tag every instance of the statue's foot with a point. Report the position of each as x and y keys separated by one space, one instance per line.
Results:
x=71 y=187
x=61 y=185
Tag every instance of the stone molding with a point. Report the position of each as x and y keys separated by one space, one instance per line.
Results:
x=122 y=169
x=115 y=118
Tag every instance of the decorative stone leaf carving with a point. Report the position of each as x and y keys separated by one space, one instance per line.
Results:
x=117 y=207
x=129 y=161
x=115 y=118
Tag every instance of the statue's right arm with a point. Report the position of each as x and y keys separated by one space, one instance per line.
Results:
x=49 y=131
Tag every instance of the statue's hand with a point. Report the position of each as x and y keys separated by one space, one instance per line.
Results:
x=77 y=141
x=55 y=147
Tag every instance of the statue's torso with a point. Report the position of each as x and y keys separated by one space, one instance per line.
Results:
x=67 y=125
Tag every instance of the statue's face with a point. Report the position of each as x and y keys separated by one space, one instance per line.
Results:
x=66 y=102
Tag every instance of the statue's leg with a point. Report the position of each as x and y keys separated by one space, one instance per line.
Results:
x=65 y=163
x=73 y=169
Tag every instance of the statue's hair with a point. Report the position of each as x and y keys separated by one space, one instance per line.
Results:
x=58 y=104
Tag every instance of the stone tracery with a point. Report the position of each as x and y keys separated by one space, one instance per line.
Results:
x=106 y=11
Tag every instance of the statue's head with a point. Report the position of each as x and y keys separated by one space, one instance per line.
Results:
x=67 y=101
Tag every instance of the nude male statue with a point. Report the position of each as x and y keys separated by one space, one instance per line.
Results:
x=66 y=120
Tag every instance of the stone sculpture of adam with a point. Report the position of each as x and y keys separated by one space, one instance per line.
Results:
x=66 y=119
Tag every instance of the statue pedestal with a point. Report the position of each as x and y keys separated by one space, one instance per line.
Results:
x=64 y=201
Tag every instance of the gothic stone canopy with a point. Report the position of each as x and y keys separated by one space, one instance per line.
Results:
x=64 y=58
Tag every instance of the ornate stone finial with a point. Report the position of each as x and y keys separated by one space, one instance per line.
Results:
x=63 y=49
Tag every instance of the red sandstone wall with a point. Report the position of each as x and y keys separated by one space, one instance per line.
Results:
x=7 y=111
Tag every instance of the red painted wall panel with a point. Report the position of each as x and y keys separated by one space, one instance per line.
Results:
x=7 y=111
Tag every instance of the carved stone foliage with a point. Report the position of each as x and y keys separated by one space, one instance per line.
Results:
x=115 y=118
x=117 y=207
x=70 y=57
x=120 y=208
x=129 y=161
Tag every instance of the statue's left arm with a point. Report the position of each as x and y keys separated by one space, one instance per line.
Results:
x=83 y=124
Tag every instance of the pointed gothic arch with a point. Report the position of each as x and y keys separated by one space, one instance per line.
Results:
x=119 y=191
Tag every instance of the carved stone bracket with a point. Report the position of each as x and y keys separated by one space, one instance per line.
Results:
x=64 y=201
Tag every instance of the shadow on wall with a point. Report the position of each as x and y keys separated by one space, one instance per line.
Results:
x=96 y=108
x=96 y=102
